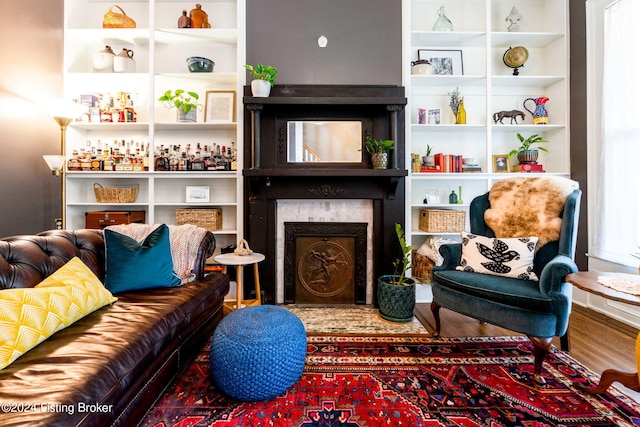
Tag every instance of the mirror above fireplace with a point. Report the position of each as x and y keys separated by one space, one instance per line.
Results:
x=324 y=141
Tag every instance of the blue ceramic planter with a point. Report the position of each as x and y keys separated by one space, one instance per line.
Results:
x=395 y=302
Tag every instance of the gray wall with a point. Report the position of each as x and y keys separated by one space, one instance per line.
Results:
x=30 y=69
x=364 y=40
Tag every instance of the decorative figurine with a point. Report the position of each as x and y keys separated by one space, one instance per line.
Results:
x=442 y=23
x=514 y=17
x=513 y=115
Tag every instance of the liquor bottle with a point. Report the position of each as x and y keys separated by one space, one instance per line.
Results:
x=183 y=162
x=197 y=164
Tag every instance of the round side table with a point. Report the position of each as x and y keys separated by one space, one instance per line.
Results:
x=240 y=261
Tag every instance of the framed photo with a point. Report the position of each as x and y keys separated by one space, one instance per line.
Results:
x=220 y=106
x=198 y=194
x=432 y=197
x=433 y=116
x=501 y=163
x=444 y=62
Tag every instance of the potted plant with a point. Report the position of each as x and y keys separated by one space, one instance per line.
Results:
x=264 y=77
x=379 y=150
x=397 y=292
x=428 y=159
x=185 y=102
x=526 y=154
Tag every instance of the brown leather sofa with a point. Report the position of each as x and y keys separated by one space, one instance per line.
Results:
x=109 y=367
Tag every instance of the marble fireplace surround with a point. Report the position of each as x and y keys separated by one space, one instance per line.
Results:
x=275 y=189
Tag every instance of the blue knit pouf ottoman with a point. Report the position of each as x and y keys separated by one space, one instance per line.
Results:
x=258 y=352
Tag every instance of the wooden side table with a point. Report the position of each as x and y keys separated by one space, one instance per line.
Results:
x=240 y=261
x=588 y=281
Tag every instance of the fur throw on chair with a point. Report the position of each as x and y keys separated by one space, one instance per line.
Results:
x=523 y=207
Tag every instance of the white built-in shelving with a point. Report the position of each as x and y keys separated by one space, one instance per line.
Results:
x=488 y=86
x=160 y=52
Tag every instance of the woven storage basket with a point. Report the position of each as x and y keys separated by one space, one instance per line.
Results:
x=421 y=266
x=209 y=218
x=115 y=194
x=442 y=220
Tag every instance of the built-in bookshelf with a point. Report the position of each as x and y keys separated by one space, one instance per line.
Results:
x=160 y=50
x=476 y=46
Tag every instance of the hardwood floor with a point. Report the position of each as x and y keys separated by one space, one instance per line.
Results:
x=596 y=341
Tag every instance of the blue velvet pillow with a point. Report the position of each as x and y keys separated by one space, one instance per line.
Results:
x=132 y=266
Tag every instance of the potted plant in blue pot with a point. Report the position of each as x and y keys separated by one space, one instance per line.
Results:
x=397 y=292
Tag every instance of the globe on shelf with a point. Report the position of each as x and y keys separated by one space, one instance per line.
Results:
x=515 y=57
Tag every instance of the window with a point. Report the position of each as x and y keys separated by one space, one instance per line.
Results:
x=614 y=128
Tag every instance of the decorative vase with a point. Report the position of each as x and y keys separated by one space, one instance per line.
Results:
x=260 y=88
x=527 y=157
x=396 y=302
x=461 y=115
x=380 y=160
x=190 y=117
x=442 y=23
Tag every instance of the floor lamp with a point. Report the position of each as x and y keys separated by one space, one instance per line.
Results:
x=63 y=112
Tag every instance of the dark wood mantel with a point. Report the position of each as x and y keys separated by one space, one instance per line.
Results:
x=269 y=177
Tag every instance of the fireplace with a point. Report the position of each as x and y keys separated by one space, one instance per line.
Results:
x=325 y=262
x=273 y=180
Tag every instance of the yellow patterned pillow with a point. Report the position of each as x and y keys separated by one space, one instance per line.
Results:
x=29 y=316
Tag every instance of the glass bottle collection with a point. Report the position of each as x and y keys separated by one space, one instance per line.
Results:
x=133 y=156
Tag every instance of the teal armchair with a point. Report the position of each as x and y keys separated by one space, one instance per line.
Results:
x=539 y=309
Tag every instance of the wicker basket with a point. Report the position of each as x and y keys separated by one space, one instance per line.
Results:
x=442 y=220
x=421 y=266
x=209 y=218
x=115 y=194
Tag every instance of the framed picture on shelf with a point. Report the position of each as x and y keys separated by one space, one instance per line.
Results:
x=444 y=62
x=220 y=106
x=433 y=116
x=197 y=194
x=432 y=197
x=501 y=163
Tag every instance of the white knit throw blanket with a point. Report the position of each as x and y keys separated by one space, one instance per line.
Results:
x=184 y=240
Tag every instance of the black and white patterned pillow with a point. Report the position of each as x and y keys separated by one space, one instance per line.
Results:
x=511 y=257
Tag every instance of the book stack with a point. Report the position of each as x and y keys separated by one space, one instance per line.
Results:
x=471 y=168
x=528 y=168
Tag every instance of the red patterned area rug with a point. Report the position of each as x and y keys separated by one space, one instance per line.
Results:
x=406 y=381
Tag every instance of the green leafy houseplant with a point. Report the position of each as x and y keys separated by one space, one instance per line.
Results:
x=374 y=146
x=401 y=265
x=263 y=72
x=528 y=144
x=181 y=99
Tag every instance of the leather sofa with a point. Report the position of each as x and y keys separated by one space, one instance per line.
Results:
x=109 y=367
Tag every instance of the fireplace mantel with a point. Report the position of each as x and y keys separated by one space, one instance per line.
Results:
x=269 y=178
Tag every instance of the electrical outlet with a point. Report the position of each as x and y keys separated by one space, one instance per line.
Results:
x=58 y=223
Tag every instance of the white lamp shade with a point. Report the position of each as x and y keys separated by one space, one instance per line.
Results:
x=64 y=109
x=54 y=161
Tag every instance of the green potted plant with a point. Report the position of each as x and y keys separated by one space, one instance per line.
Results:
x=379 y=150
x=526 y=154
x=264 y=77
x=185 y=102
x=428 y=159
x=397 y=292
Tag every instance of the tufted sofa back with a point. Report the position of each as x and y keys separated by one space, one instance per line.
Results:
x=26 y=260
